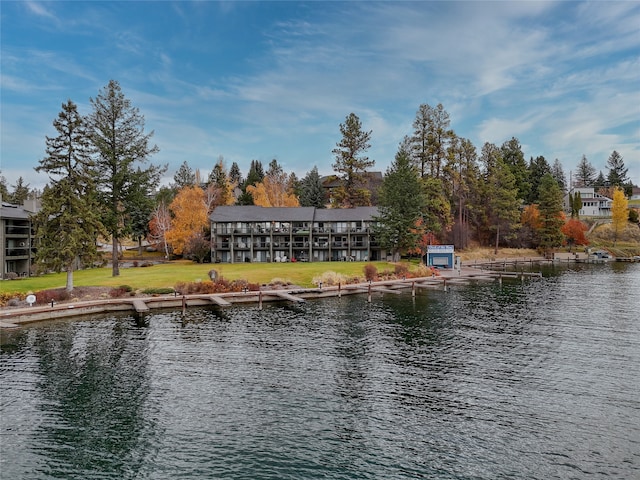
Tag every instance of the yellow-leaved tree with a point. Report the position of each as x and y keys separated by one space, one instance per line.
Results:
x=275 y=189
x=619 y=212
x=189 y=220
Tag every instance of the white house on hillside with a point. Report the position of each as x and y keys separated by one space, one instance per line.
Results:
x=593 y=204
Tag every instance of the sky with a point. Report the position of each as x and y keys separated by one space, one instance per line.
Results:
x=248 y=80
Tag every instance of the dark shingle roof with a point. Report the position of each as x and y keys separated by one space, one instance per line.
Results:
x=8 y=210
x=252 y=213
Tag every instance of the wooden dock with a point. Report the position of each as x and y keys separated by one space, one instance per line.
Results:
x=12 y=317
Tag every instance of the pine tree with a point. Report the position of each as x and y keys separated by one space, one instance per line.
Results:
x=431 y=136
x=585 y=173
x=120 y=144
x=67 y=226
x=20 y=192
x=184 y=177
x=255 y=176
x=4 y=191
x=234 y=174
x=311 y=191
x=558 y=174
x=351 y=164
x=538 y=168
x=513 y=157
x=220 y=189
x=551 y=213
x=617 y=175
x=500 y=194
x=401 y=205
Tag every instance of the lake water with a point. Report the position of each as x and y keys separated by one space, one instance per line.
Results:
x=538 y=380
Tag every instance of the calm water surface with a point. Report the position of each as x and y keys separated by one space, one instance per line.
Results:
x=538 y=380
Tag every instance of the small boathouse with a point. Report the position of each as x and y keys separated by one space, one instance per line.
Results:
x=441 y=256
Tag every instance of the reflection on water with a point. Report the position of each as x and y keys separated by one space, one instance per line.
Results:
x=528 y=380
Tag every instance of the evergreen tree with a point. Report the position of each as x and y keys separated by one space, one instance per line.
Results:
x=551 y=213
x=401 y=204
x=255 y=176
x=585 y=173
x=600 y=181
x=558 y=174
x=220 y=188
x=577 y=204
x=68 y=224
x=4 y=191
x=513 y=157
x=234 y=174
x=351 y=165
x=431 y=136
x=184 y=177
x=436 y=215
x=141 y=206
x=500 y=193
x=538 y=168
x=311 y=191
x=617 y=175
x=461 y=175
x=120 y=144
x=20 y=192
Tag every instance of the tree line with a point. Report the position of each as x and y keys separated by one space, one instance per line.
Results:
x=438 y=189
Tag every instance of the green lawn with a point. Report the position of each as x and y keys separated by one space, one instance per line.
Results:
x=167 y=275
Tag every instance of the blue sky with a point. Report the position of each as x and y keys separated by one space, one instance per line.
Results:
x=263 y=80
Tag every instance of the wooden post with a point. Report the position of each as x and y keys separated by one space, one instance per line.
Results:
x=413 y=289
x=339 y=290
x=260 y=300
x=369 y=294
x=184 y=305
x=444 y=281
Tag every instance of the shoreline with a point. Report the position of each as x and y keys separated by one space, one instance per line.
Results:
x=16 y=318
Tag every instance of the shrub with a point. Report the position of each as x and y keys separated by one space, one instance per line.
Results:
x=221 y=285
x=11 y=275
x=6 y=298
x=134 y=263
x=120 y=291
x=57 y=295
x=158 y=291
x=330 y=278
x=146 y=264
x=422 y=271
x=401 y=269
x=370 y=272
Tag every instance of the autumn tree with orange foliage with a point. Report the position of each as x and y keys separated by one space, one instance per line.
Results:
x=189 y=211
x=575 y=230
x=531 y=223
x=274 y=190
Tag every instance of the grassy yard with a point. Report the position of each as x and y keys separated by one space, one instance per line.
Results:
x=168 y=274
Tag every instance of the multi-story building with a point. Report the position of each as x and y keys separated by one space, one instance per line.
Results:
x=593 y=204
x=304 y=234
x=16 y=239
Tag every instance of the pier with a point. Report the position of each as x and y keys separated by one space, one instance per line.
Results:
x=446 y=278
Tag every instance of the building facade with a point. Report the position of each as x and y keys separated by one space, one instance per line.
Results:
x=303 y=234
x=593 y=204
x=16 y=239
